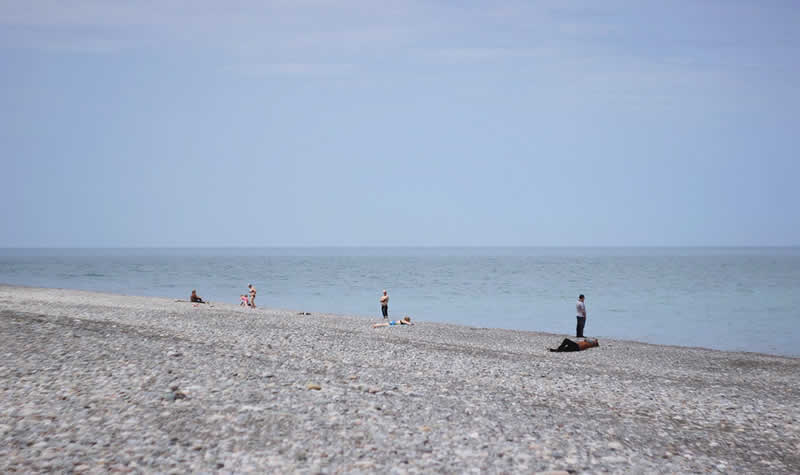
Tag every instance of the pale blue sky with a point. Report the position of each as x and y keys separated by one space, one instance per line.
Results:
x=321 y=122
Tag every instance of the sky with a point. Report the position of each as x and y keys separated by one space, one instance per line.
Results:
x=399 y=123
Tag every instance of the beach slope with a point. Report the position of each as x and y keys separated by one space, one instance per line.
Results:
x=94 y=382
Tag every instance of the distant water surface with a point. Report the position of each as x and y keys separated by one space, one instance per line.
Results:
x=743 y=299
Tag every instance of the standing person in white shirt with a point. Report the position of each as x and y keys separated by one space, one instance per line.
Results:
x=580 y=308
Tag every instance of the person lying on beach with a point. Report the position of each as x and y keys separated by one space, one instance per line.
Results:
x=244 y=301
x=405 y=321
x=194 y=298
x=569 y=345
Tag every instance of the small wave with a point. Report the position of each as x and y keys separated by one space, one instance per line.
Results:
x=93 y=274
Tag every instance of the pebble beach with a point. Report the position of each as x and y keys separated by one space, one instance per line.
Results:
x=97 y=383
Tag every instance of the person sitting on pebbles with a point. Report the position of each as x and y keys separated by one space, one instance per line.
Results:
x=195 y=298
x=405 y=321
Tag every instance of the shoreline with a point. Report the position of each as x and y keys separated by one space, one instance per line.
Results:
x=428 y=322
x=94 y=382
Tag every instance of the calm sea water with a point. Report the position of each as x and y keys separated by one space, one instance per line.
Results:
x=745 y=299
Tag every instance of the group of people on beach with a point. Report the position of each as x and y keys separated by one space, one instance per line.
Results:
x=580 y=310
x=249 y=300
x=385 y=312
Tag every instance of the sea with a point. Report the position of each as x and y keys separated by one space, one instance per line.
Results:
x=733 y=299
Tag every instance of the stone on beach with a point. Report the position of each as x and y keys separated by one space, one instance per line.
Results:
x=94 y=383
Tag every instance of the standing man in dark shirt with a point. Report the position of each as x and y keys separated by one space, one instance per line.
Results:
x=580 y=309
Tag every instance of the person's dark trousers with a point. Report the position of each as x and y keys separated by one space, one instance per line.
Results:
x=579 y=329
x=385 y=310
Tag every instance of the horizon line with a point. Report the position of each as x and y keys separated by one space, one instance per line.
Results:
x=487 y=246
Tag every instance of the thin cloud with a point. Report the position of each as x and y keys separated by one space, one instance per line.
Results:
x=309 y=70
x=486 y=54
x=330 y=37
x=239 y=26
